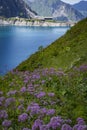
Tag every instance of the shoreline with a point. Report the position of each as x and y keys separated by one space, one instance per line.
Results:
x=33 y=23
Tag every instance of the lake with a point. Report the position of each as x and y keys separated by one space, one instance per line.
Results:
x=18 y=43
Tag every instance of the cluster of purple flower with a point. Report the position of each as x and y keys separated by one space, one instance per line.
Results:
x=34 y=105
x=23 y=90
x=2 y=99
x=57 y=123
x=9 y=101
x=23 y=117
x=10 y=93
x=31 y=89
x=21 y=107
x=33 y=108
x=83 y=68
x=80 y=124
x=3 y=114
x=41 y=94
x=50 y=112
x=37 y=124
x=6 y=123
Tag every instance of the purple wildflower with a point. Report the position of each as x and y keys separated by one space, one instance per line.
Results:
x=82 y=127
x=66 y=127
x=36 y=76
x=3 y=114
x=80 y=121
x=34 y=108
x=83 y=68
x=30 y=90
x=23 y=89
x=37 y=124
x=55 y=123
x=43 y=111
x=23 y=117
x=26 y=80
x=9 y=101
x=51 y=112
x=68 y=121
x=11 y=93
x=41 y=94
x=21 y=107
x=6 y=123
x=44 y=127
x=2 y=99
x=75 y=127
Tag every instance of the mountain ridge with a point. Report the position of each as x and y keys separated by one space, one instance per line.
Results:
x=82 y=7
x=56 y=9
x=15 y=8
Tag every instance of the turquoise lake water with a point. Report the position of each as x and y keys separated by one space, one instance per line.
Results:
x=18 y=43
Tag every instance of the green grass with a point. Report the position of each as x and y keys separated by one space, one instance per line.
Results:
x=67 y=51
x=69 y=101
x=69 y=88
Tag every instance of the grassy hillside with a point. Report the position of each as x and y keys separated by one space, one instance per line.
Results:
x=48 y=99
x=69 y=50
x=45 y=99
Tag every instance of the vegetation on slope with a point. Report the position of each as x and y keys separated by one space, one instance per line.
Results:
x=44 y=100
x=68 y=51
x=48 y=99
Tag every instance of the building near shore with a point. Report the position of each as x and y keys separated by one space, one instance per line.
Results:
x=43 y=18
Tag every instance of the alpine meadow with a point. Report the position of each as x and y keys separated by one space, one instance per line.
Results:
x=48 y=90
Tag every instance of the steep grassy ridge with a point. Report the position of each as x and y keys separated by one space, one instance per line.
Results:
x=69 y=50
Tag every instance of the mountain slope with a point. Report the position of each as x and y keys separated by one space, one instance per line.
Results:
x=13 y=8
x=82 y=7
x=66 y=52
x=55 y=8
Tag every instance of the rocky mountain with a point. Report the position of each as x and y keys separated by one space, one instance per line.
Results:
x=14 y=8
x=82 y=7
x=56 y=9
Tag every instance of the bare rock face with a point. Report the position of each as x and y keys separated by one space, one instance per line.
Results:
x=56 y=9
x=14 y=8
